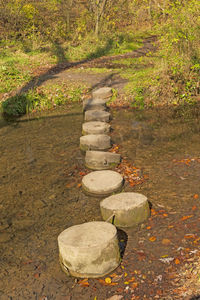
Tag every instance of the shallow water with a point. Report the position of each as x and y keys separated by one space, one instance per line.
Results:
x=40 y=171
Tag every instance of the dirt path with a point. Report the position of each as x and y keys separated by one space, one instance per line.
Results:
x=74 y=72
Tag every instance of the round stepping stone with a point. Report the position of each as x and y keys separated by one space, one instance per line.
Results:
x=102 y=183
x=95 y=142
x=89 y=250
x=95 y=104
x=97 y=160
x=102 y=93
x=128 y=209
x=95 y=127
x=97 y=115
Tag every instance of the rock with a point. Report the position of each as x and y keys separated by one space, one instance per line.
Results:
x=129 y=209
x=95 y=142
x=95 y=128
x=102 y=183
x=102 y=93
x=98 y=160
x=89 y=250
x=95 y=104
x=97 y=115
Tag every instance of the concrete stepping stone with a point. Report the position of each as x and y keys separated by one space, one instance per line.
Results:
x=95 y=142
x=102 y=93
x=102 y=183
x=95 y=104
x=97 y=115
x=125 y=209
x=89 y=250
x=95 y=127
x=98 y=160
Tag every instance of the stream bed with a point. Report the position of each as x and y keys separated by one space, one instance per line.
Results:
x=41 y=168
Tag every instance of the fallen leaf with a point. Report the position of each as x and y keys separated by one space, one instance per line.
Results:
x=186 y=217
x=36 y=275
x=165 y=215
x=79 y=185
x=108 y=280
x=177 y=261
x=148 y=227
x=194 y=207
x=166 y=242
x=189 y=236
x=84 y=282
x=152 y=239
x=134 y=285
x=166 y=260
x=196 y=196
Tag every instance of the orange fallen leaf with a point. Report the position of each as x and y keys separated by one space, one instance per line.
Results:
x=148 y=227
x=84 y=282
x=189 y=236
x=36 y=275
x=171 y=226
x=194 y=207
x=196 y=196
x=177 y=261
x=165 y=215
x=134 y=285
x=132 y=279
x=186 y=217
x=152 y=239
x=79 y=185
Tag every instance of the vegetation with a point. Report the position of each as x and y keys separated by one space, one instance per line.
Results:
x=37 y=35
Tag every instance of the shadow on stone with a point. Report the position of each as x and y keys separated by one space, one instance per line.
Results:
x=123 y=239
x=195 y=298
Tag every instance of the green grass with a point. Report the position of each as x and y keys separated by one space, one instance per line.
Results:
x=42 y=98
x=91 y=48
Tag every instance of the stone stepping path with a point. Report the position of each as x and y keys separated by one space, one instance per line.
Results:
x=98 y=160
x=125 y=209
x=92 y=249
x=95 y=142
x=97 y=115
x=102 y=183
x=102 y=93
x=95 y=104
x=95 y=127
x=89 y=250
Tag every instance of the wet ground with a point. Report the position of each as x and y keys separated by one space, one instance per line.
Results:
x=40 y=195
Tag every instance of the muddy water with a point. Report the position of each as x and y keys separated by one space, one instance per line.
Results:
x=40 y=172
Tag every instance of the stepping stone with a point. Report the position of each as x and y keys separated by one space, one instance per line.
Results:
x=95 y=142
x=128 y=209
x=89 y=250
x=97 y=160
x=102 y=93
x=102 y=183
x=95 y=127
x=97 y=115
x=95 y=104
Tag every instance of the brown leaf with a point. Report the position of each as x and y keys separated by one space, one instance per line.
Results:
x=166 y=242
